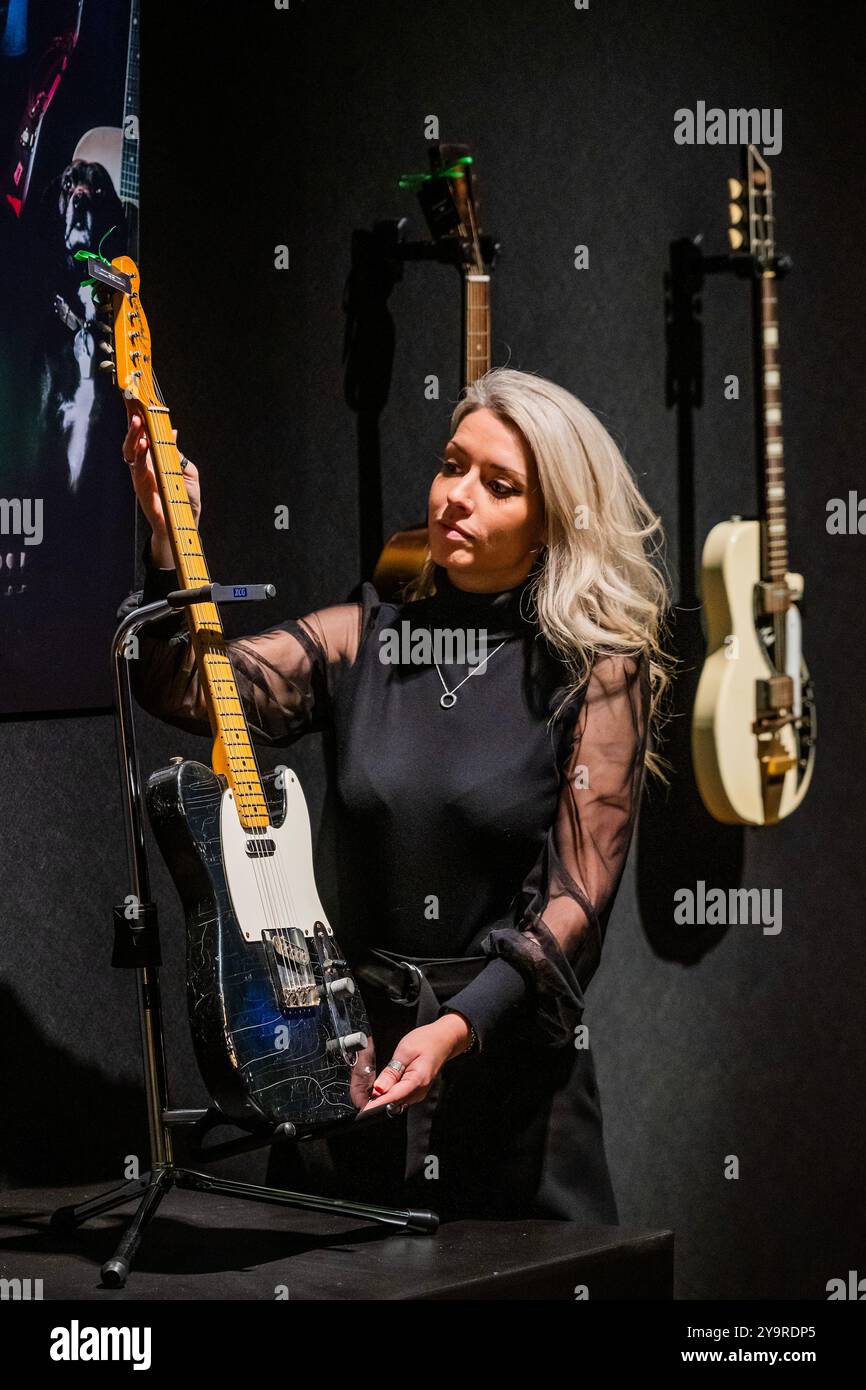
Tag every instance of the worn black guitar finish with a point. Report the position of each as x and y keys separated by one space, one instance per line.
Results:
x=265 y=1059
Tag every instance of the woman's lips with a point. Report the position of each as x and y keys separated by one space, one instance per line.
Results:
x=454 y=533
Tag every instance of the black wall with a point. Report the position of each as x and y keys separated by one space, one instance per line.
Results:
x=264 y=127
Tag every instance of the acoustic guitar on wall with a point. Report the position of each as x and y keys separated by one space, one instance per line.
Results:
x=754 y=721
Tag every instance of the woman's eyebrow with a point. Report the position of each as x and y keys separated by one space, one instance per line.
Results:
x=494 y=463
x=506 y=468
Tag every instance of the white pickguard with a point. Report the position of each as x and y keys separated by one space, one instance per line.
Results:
x=278 y=890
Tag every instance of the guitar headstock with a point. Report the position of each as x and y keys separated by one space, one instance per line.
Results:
x=116 y=293
x=133 y=360
x=450 y=202
x=752 y=229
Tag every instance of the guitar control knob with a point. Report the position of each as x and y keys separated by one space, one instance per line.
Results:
x=347 y=1043
x=344 y=986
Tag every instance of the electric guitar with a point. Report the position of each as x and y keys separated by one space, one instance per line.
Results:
x=754 y=721
x=278 y=1024
x=450 y=205
x=116 y=147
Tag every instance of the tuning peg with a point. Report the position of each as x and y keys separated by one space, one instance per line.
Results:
x=737 y=214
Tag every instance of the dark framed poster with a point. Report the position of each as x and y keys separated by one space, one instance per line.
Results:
x=69 y=145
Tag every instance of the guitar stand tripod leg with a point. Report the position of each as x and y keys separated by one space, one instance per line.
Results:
x=407 y=1219
x=66 y=1218
x=136 y=946
x=116 y=1270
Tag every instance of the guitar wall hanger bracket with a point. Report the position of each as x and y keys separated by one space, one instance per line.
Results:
x=741 y=264
x=389 y=235
x=449 y=251
x=684 y=285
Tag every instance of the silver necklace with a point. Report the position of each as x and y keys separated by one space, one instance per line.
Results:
x=450 y=696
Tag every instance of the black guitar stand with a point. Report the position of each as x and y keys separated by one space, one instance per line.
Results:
x=136 y=947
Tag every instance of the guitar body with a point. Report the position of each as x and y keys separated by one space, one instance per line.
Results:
x=116 y=147
x=102 y=145
x=279 y=1029
x=401 y=560
x=724 y=749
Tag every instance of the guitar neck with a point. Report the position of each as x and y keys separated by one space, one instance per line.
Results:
x=768 y=398
x=476 y=326
x=233 y=752
x=129 y=173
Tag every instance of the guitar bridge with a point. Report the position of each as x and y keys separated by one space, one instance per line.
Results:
x=774 y=700
x=290 y=968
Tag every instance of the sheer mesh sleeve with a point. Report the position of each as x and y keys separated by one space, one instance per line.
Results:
x=561 y=912
x=286 y=675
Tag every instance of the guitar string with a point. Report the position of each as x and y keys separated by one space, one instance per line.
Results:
x=272 y=867
x=269 y=899
x=267 y=902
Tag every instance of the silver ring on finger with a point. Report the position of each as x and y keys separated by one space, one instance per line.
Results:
x=395 y=1065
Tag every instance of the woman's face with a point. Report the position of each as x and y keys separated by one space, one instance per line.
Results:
x=485 y=514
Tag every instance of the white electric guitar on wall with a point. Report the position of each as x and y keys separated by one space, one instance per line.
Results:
x=754 y=724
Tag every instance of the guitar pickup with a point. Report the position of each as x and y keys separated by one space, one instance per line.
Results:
x=773 y=695
x=260 y=849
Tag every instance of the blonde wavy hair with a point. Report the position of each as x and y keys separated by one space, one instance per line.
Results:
x=599 y=588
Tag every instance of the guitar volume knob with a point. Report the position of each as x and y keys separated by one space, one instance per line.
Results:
x=344 y=986
x=349 y=1042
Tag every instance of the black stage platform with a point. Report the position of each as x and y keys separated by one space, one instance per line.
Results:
x=212 y=1247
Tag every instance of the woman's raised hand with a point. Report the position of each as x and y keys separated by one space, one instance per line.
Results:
x=136 y=451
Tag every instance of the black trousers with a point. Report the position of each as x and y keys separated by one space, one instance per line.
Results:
x=516 y=1131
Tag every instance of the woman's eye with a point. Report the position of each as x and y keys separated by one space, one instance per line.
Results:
x=498 y=488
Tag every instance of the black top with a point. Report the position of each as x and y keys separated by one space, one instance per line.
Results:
x=473 y=829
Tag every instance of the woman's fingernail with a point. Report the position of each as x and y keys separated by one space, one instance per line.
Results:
x=378 y=1090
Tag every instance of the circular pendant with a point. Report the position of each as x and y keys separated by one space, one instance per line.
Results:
x=448 y=699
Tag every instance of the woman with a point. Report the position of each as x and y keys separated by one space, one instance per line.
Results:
x=482 y=811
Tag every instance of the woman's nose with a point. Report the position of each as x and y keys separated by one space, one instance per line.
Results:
x=459 y=493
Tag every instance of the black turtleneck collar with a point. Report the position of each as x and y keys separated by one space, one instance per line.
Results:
x=499 y=613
